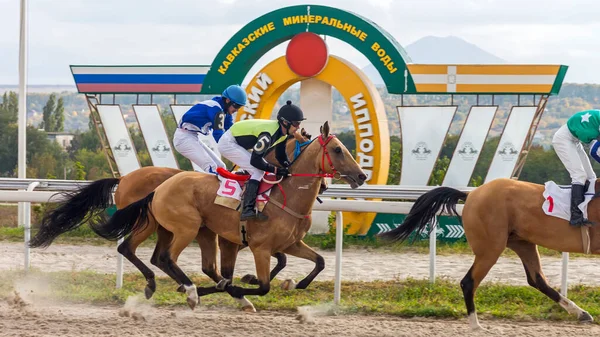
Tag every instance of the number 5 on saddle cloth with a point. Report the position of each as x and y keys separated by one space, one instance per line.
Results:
x=231 y=189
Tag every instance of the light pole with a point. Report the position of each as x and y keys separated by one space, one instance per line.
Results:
x=22 y=115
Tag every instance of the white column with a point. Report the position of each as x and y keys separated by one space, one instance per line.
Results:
x=316 y=103
x=339 y=243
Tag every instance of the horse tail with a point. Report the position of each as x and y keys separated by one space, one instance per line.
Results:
x=424 y=210
x=78 y=207
x=130 y=219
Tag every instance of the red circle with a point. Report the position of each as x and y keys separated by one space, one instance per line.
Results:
x=307 y=54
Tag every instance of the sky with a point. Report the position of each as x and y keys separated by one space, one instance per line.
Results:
x=117 y=32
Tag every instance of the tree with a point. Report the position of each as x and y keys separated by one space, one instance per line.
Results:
x=395 y=161
x=59 y=116
x=439 y=171
x=48 y=122
x=79 y=171
x=8 y=110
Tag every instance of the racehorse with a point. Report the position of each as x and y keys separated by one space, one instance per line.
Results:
x=504 y=213
x=85 y=204
x=184 y=203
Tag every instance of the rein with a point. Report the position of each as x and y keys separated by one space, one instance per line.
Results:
x=335 y=174
x=322 y=174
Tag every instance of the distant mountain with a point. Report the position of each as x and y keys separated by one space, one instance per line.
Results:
x=441 y=50
x=450 y=49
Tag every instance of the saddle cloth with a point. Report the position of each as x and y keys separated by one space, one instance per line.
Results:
x=230 y=192
x=557 y=200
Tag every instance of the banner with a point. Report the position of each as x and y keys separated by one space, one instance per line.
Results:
x=469 y=145
x=511 y=142
x=424 y=129
x=118 y=138
x=155 y=136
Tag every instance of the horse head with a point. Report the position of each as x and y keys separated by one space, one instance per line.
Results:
x=331 y=158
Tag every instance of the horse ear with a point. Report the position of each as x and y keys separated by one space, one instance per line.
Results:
x=298 y=136
x=306 y=134
x=325 y=129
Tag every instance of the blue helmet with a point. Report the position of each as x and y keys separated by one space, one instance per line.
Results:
x=236 y=94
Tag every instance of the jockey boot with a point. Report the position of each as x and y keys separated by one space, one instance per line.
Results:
x=577 y=197
x=249 y=199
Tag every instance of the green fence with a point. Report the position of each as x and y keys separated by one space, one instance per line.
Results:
x=449 y=228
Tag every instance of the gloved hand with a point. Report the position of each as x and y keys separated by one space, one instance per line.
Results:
x=282 y=172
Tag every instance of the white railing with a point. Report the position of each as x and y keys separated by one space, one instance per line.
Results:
x=339 y=206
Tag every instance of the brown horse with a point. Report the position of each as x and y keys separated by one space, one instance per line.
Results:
x=84 y=204
x=504 y=213
x=185 y=202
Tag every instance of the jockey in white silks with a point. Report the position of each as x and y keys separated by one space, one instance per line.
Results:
x=582 y=127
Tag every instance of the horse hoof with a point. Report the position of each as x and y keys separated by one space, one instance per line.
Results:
x=181 y=289
x=192 y=298
x=248 y=308
x=288 y=285
x=148 y=292
x=585 y=317
x=249 y=279
x=192 y=303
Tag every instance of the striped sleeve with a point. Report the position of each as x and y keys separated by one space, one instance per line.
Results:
x=595 y=150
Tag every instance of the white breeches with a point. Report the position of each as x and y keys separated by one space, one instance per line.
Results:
x=230 y=149
x=190 y=146
x=572 y=154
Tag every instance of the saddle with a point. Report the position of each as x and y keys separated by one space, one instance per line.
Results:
x=232 y=187
x=557 y=199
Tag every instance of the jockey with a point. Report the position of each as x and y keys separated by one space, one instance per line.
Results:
x=259 y=135
x=582 y=127
x=212 y=114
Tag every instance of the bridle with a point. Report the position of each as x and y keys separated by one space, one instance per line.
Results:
x=335 y=174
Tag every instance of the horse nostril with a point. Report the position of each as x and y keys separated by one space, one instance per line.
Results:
x=362 y=177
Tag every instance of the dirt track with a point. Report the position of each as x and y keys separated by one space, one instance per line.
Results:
x=360 y=265
x=39 y=319
x=30 y=317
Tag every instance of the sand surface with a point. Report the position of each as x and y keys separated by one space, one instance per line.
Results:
x=24 y=314
x=358 y=265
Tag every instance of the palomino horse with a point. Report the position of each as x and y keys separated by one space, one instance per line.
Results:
x=504 y=213
x=84 y=204
x=185 y=202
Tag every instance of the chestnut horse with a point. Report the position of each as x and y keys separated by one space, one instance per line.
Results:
x=184 y=203
x=83 y=205
x=504 y=213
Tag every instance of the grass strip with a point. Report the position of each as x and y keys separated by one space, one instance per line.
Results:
x=405 y=298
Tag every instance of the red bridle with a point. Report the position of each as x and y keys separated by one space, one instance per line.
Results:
x=335 y=173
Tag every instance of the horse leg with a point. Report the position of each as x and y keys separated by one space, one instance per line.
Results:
x=228 y=251
x=164 y=238
x=528 y=252
x=262 y=259
x=170 y=256
x=128 y=247
x=485 y=258
x=207 y=240
x=301 y=250
x=281 y=263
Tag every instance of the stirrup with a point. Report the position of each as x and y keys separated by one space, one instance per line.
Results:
x=255 y=215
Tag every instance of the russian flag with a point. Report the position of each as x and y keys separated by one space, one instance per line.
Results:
x=139 y=79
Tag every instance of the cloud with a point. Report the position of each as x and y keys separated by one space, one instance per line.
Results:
x=192 y=32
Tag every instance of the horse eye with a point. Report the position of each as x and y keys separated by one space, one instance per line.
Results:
x=338 y=150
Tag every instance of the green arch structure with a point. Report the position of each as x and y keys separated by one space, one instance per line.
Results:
x=256 y=38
